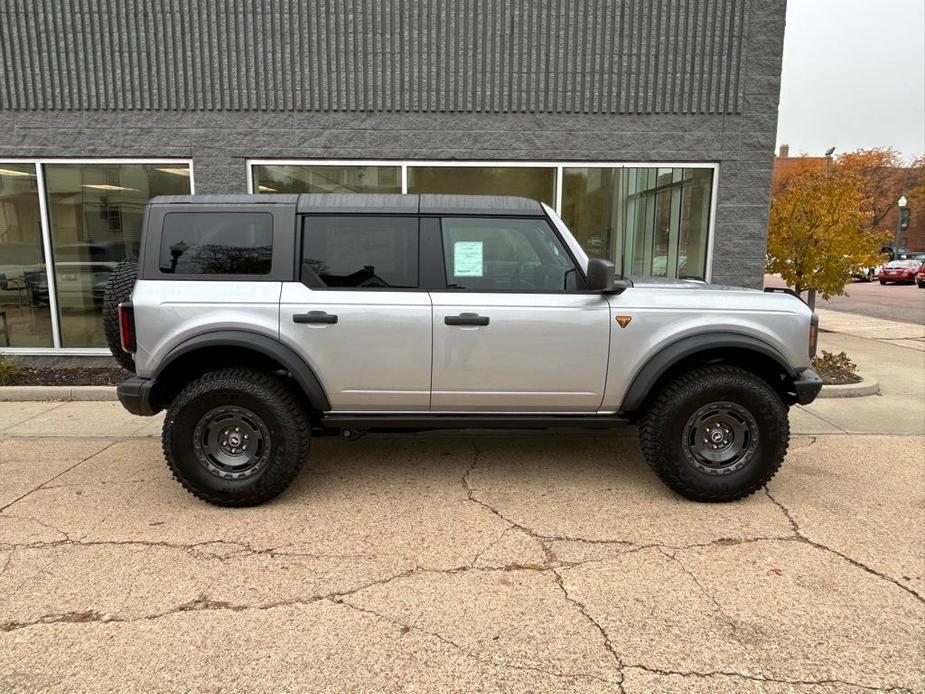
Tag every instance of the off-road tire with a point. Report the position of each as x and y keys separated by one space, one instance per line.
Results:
x=118 y=289
x=267 y=396
x=663 y=425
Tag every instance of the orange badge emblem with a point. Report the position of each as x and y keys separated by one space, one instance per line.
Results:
x=624 y=320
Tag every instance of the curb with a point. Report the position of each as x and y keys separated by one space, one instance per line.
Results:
x=867 y=386
x=57 y=393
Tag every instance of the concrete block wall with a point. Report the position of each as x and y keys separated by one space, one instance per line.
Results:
x=740 y=138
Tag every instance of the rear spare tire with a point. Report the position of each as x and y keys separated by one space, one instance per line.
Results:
x=118 y=289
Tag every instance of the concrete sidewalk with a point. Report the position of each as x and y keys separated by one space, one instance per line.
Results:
x=900 y=334
x=469 y=561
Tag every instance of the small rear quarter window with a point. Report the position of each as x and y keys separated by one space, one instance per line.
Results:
x=217 y=243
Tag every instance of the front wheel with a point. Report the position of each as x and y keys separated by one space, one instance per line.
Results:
x=236 y=437
x=715 y=433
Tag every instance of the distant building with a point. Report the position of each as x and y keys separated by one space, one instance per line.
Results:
x=786 y=167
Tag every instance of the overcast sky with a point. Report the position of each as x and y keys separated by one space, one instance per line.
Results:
x=854 y=76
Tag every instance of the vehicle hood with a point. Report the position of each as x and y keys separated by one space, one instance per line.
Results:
x=665 y=283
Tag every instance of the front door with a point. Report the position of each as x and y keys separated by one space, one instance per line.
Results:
x=513 y=330
x=357 y=316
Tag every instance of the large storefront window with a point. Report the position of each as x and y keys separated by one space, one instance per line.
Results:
x=538 y=183
x=650 y=221
x=299 y=178
x=25 y=318
x=95 y=213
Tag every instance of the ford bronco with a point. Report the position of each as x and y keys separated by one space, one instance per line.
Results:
x=259 y=321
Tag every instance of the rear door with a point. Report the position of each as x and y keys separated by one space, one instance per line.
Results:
x=514 y=329
x=358 y=316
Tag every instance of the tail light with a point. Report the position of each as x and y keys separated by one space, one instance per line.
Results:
x=813 y=334
x=127 y=327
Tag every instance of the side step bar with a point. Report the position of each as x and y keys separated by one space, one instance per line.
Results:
x=468 y=421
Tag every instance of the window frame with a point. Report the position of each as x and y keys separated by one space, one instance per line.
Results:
x=283 y=215
x=302 y=219
x=437 y=256
x=236 y=275
x=44 y=217
x=558 y=166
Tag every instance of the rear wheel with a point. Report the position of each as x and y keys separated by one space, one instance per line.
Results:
x=882 y=282
x=236 y=437
x=715 y=433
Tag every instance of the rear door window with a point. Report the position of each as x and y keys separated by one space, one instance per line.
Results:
x=216 y=243
x=360 y=252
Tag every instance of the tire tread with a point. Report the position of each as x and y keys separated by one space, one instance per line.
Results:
x=664 y=405
x=290 y=455
x=119 y=288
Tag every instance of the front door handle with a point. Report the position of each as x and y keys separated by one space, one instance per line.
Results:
x=314 y=317
x=466 y=319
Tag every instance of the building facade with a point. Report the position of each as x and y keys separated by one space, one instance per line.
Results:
x=648 y=124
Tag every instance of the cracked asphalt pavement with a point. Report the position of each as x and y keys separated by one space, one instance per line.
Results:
x=457 y=562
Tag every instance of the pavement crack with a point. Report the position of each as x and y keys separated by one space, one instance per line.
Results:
x=63 y=472
x=493 y=661
x=608 y=645
x=800 y=536
x=727 y=619
x=491 y=544
x=29 y=419
x=761 y=678
x=200 y=603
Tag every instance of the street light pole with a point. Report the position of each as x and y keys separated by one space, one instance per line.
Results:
x=902 y=202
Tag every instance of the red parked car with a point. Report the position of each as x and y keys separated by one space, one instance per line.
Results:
x=899 y=271
x=920 y=276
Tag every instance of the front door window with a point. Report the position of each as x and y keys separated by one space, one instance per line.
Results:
x=505 y=255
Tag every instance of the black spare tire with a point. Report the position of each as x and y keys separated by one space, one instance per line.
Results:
x=118 y=289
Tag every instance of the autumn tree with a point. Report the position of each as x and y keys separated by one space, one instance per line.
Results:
x=819 y=233
x=881 y=177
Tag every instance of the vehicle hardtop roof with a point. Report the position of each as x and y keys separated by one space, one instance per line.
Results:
x=359 y=203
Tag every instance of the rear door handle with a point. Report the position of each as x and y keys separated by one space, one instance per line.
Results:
x=466 y=319
x=314 y=317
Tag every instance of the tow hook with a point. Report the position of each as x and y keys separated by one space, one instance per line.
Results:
x=351 y=434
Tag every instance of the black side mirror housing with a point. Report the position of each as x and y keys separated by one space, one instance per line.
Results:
x=600 y=274
x=600 y=277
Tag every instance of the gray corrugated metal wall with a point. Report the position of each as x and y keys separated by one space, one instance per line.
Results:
x=558 y=56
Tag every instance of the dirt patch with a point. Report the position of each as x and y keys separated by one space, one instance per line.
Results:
x=70 y=376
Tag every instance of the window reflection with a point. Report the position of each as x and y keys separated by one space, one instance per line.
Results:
x=95 y=213
x=649 y=221
x=300 y=178
x=25 y=319
x=536 y=183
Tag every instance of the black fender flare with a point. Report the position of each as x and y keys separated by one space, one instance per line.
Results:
x=301 y=372
x=668 y=356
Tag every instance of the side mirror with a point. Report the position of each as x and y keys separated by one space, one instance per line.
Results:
x=601 y=277
x=600 y=274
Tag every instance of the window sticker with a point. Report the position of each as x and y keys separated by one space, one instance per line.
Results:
x=467 y=259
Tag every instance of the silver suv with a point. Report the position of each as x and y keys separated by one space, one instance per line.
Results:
x=258 y=321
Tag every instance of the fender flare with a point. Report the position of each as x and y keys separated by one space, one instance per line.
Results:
x=301 y=372
x=668 y=356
